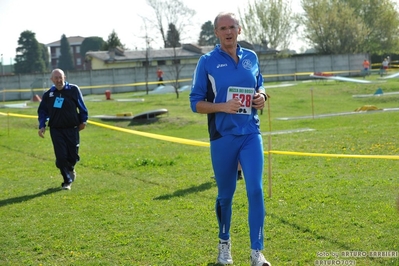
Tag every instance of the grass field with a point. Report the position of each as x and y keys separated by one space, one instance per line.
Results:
x=145 y=201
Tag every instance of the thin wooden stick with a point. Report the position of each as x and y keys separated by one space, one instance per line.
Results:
x=269 y=148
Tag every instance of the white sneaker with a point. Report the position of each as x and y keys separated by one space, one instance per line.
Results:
x=257 y=259
x=73 y=174
x=66 y=186
x=224 y=257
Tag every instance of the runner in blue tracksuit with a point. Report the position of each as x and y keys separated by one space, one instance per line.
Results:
x=228 y=86
x=64 y=109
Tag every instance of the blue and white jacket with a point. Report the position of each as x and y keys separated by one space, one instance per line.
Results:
x=216 y=71
x=69 y=114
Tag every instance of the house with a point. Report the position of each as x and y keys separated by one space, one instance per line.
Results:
x=75 y=43
x=187 y=54
x=119 y=58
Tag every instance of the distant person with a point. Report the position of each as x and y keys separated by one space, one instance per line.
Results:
x=160 y=77
x=64 y=109
x=366 y=67
x=384 y=64
x=228 y=87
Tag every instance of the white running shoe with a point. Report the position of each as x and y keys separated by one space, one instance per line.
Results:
x=66 y=186
x=257 y=259
x=224 y=257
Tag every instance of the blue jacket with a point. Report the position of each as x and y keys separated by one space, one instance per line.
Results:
x=216 y=71
x=62 y=109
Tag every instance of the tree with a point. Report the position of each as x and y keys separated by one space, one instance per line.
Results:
x=170 y=12
x=351 y=26
x=207 y=35
x=270 y=21
x=177 y=16
x=382 y=20
x=147 y=62
x=45 y=56
x=332 y=27
x=91 y=44
x=173 y=41
x=113 y=42
x=29 y=55
x=65 y=60
x=173 y=37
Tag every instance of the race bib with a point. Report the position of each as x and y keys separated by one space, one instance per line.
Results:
x=245 y=95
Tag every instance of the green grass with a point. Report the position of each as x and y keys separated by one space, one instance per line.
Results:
x=143 y=201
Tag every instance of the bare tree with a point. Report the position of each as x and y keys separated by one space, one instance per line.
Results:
x=173 y=41
x=147 y=62
x=269 y=20
x=174 y=16
x=171 y=12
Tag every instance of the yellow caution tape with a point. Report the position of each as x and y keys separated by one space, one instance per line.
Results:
x=206 y=144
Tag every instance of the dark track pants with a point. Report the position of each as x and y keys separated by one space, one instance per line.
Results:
x=66 y=149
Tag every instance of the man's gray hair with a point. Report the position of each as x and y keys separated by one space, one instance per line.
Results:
x=223 y=14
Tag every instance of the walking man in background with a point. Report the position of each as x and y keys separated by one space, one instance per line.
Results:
x=228 y=87
x=64 y=109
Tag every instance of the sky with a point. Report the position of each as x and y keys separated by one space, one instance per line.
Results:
x=49 y=20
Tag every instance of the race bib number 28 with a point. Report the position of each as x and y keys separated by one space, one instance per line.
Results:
x=245 y=95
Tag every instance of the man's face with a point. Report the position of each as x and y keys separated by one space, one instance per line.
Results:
x=227 y=31
x=58 y=79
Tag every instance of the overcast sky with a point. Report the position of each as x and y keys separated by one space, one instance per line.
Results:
x=49 y=20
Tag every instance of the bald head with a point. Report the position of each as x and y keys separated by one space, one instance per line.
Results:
x=225 y=14
x=57 y=71
x=58 y=78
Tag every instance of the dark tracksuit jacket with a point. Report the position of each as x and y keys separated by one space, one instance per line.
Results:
x=64 y=110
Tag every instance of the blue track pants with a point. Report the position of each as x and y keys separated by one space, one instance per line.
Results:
x=225 y=154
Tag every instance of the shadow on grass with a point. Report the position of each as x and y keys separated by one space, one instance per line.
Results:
x=183 y=192
x=143 y=121
x=306 y=230
x=28 y=197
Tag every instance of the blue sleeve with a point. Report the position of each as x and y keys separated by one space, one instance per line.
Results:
x=83 y=113
x=199 y=87
x=42 y=113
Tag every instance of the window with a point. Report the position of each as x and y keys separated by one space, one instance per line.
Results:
x=57 y=52
x=78 y=61
x=161 y=62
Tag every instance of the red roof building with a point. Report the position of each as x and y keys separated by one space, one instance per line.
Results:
x=75 y=43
